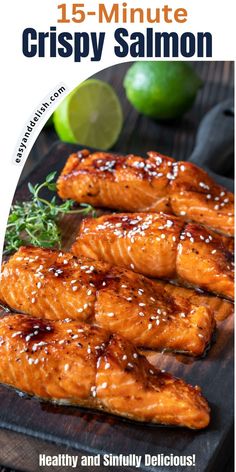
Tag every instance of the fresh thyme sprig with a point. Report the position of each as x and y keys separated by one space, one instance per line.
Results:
x=36 y=221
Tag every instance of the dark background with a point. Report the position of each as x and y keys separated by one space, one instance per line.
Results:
x=140 y=133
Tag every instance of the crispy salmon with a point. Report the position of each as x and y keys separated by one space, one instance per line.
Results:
x=46 y=283
x=158 y=183
x=162 y=246
x=221 y=308
x=48 y=360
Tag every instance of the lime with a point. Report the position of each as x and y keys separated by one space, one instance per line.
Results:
x=90 y=115
x=162 y=89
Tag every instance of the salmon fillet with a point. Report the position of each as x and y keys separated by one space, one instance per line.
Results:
x=46 y=283
x=162 y=246
x=48 y=360
x=221 y=308
x=158 y=183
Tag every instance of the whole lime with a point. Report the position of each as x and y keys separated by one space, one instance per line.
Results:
x=162 y=89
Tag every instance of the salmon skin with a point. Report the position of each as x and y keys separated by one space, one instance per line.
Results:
x=46 y=283
x=48 y=360
x=158 y=183
x=162 y=246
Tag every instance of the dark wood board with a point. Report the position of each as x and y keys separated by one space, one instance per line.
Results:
x=87 y=432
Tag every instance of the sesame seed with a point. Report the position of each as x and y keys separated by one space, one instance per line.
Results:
x=150 y=326
x=183 y=213
x=16 y=334
x=110 y=315
x=107 y=365
x=104 y=385
x=33 y=300
x=66 y=367
x=203 y=185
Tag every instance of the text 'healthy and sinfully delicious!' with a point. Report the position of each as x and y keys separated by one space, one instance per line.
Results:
x=149 y=43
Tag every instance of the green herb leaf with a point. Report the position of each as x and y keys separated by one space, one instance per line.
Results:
x=35 y=221
x=50 y=177
x=31 y=188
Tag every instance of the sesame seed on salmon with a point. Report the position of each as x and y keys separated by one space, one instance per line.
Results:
x=157 y=183
x=37 y=281
x=47 y=359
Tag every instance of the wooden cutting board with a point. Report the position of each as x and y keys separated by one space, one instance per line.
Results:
x=29 y=427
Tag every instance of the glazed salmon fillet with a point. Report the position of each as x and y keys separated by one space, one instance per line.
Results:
x=162 y=246
x=56 y=285
x=158 y=183
x=48 y=360
x=221 y=308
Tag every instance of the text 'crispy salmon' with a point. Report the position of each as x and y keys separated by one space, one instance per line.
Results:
x=46 y=283
x=158 y=183
x=48 y=359
x=162 y=246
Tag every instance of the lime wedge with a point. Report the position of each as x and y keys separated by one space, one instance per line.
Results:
x=90 y=115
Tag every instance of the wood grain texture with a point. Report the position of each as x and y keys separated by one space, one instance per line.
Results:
x=42 y=425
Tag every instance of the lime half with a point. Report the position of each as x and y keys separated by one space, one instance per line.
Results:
x=90 y=115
